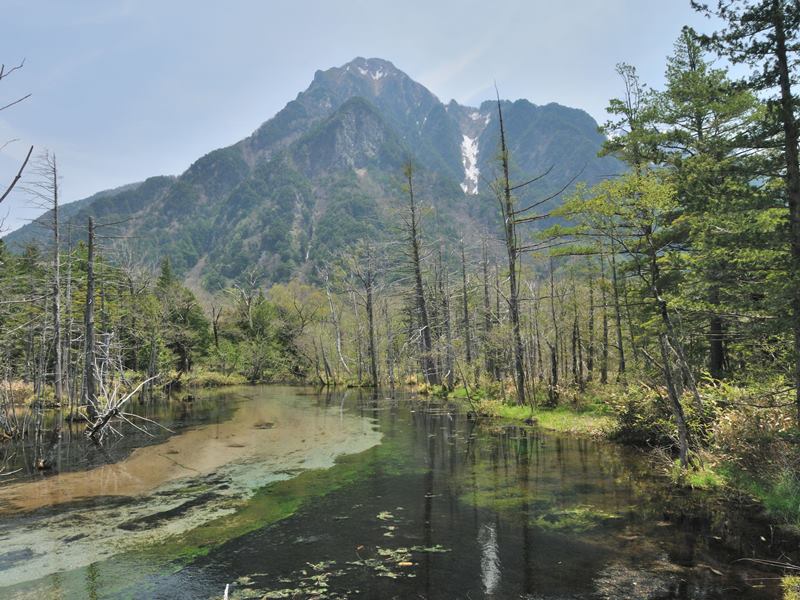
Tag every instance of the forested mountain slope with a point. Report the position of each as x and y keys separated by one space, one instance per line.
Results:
x=326 y=170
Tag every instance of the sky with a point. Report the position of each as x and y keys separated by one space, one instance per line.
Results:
x=122 y=90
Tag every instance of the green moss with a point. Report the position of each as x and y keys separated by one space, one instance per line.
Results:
x=705 y=479
x=587 y=420
x=484 y=486
x=513 y=412
x=280 y=500
x=577 y=519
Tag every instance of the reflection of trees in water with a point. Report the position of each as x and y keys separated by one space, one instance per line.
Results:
x=73 y=451
x=522 y=496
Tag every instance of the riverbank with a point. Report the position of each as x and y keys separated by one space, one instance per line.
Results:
x=582 y=415
x=730 y=460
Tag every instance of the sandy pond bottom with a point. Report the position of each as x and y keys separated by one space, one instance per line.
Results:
x=350 y=495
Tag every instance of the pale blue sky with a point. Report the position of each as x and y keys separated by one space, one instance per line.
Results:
x=126 y=89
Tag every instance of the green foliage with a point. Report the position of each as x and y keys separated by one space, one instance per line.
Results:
x=185 y=326
x=791 y=587
x=700 y=475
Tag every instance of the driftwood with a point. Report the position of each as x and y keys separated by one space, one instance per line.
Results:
x=113 y=410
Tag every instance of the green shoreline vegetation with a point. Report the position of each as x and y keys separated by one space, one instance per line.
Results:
x=726 y=461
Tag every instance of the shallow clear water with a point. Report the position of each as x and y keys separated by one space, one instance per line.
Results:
x=290 y=494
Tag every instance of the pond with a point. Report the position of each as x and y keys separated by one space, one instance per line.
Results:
x=282 y=492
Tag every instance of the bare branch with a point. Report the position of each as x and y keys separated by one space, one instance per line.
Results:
x=18 y=176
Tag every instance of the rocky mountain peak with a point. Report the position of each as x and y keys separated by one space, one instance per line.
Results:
x=325 y=171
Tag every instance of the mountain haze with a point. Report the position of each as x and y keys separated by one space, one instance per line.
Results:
x=326 y=170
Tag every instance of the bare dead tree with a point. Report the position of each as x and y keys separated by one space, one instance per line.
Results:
x=3 y=74
x=89 y=387
x=465 y=306
x=43 y=189
x=506 y=201
x=412 y=231
x=363 y=266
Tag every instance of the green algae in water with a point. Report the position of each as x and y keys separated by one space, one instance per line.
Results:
x=141 y=554
x=576 y=519
x=282 y=499
x=268 y=505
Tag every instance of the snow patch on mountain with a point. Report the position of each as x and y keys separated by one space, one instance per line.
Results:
x=379 y=74
x=469 y=158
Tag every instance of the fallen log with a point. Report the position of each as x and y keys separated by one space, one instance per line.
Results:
x=113 y=408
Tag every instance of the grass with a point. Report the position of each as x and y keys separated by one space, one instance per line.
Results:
x=206 y=378
x=706 y=476
x=588 y=420
x=791 y=587
x=584 y=414
x=780 y=495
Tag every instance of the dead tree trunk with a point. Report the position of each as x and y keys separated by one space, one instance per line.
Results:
x=618 y=316
x=444 y=292
x=373 y=347
x=590 y=333
x=429 y=365
x=57 y=344
x=89 y=388
x=604 y=300
x=389 y=344
x=487 y=314
x=465 y=303
x=507 y=206
x=336 y=324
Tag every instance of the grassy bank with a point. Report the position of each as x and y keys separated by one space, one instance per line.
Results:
x=584 y=415
x=740 y=449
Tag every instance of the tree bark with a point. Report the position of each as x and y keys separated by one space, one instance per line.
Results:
x=618 y=317
x=467 y=337
x=591 y=348
x=511 y=248
x=89 y=393
x=604 y=300
x=487 y=314
x=57 y=344
x=791 y=138
x=429 y=366
x=373 y=350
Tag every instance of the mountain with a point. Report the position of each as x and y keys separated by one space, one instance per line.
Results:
x=326 y=170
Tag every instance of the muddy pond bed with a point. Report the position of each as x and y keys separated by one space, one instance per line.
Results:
x=284 y=492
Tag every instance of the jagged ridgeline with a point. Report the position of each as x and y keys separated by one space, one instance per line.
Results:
x=327 y=170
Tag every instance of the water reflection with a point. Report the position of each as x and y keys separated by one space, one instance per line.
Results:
x=445 y=508
x=199 y=475
x=490 y=558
